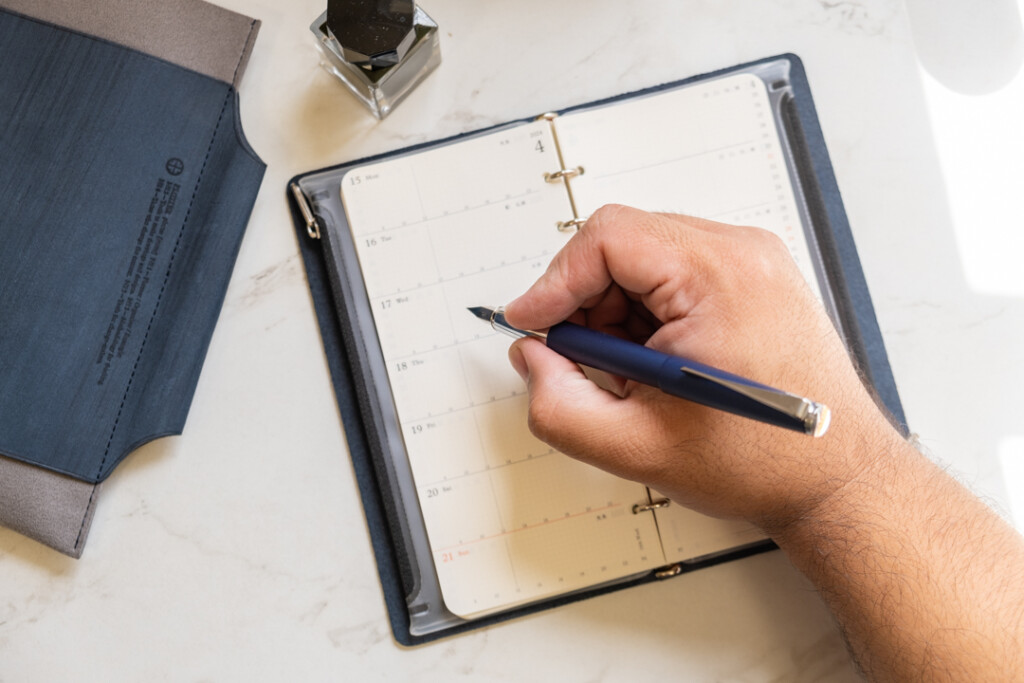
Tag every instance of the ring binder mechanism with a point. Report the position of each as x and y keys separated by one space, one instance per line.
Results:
x=669 y=572
x=653 y=505
x=564 y=174
x=453 y=539
x=312 y=227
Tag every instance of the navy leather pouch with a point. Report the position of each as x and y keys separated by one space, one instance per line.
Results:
x=125 y=188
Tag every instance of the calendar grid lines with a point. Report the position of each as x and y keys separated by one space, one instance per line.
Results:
x=531 y=527
x=528 y=458
x=435 y=239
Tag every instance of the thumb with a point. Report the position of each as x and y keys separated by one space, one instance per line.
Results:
x=570 y=412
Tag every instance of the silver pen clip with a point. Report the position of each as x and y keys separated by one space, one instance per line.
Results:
x=815 y=416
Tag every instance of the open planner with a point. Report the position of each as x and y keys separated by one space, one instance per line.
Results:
x=473 y=519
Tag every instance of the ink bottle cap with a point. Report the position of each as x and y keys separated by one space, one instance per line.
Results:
x=380 y=49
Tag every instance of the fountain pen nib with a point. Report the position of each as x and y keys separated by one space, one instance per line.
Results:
x=496 y=317
x=482 y=312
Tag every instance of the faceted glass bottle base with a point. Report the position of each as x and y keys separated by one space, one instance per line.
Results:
x=382 y=89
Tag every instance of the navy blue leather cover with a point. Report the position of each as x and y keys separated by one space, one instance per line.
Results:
x=846 y=280
x=125 y=188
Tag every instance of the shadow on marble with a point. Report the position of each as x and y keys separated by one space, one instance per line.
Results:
x=18 y=548
x=329 y=118
x=753 y=618
x=956 y=364
x=969 y=48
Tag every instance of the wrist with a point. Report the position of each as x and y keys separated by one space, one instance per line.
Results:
x=916 y=569
x=859 y=465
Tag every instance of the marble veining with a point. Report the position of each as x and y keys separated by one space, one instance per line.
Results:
x=278 y=275
x=239 y=550
x=857 y=16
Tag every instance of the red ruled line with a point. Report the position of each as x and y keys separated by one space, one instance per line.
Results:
x=528 y=528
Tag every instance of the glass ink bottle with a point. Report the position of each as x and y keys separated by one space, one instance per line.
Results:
x=380 y=49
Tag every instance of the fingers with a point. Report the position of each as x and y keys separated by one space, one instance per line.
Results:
x=619 y=314
x=725 y=295
x=653 y=256
x=698 y=223
x=570 y=412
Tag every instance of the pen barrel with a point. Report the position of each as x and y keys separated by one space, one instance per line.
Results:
x=648 y=366
x=605 y=352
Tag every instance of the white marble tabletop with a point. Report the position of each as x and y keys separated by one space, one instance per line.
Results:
x=239 y=551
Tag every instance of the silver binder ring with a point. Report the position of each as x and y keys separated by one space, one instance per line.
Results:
x=565 y=173
x=653 y=505
x=569 y=226
x=669 y=572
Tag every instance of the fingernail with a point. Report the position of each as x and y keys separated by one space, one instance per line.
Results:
x=518 y=360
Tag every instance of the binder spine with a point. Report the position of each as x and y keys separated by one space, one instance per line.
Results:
x=563 y=175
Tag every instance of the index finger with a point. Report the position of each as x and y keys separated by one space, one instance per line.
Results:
x=656 y=256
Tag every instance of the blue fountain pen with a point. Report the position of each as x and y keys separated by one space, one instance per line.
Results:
x=674 y=375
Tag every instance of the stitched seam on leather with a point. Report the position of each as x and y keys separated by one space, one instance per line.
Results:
x=167 y=277
x=85 y=516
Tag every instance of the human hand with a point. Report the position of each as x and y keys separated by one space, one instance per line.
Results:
x=727 y=296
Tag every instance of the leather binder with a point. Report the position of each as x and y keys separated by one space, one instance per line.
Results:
x=326 y=217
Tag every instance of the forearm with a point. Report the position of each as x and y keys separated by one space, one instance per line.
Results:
x=922 y=576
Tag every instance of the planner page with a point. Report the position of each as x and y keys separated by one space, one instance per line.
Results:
x=508 y=520
x=712 y=150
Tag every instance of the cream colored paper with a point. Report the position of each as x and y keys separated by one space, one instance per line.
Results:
x=509 y=521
